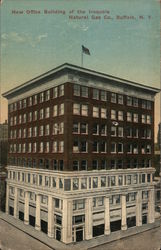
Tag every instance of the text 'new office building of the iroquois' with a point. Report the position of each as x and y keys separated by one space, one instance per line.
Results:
x=80 y=160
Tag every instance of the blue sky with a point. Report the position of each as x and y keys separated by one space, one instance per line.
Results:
x=34 y=43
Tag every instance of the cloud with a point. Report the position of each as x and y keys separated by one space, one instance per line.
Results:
x=22 y=38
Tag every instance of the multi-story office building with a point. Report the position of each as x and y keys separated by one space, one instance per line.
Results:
x=81 y=153
x=3 y=143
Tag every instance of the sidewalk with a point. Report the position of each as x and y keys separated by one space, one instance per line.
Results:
x=84 y=245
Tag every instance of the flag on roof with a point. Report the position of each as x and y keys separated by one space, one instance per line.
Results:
x=85 y=50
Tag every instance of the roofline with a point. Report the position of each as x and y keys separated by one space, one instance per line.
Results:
x=83 y=70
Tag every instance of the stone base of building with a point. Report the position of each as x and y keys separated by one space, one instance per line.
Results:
x=101 y=240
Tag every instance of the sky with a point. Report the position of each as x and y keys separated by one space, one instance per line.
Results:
x=32 y=44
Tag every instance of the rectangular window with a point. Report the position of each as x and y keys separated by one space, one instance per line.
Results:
x=76 y=127
x=149 y=105
x=103 y=95
x=41 y=97
x=55 y=92
x=113 y=97
x=83 y=165
x=95 y=182
x=83 y=183
x=120 y=132
x=113 y=148
x=120 y=180
x=143 y=118
x=103 y=147
x=47 y=147
x=113 y=131
x=47 y=112
x=135 y=102
x=103 y=113
x=94 y=164
x=47 y=95
x=120 y=148
x=61 y=128
x=113 y=181
x=84 y=91
x=95 y=147
x=76 y=90
x=103 y=129
x=41 y=149
x=129 y=101
x=35 y=115
x=61 y=146
x=143 y=104
x=75 y=183
x=34 y=147
x=55 y=110
x=76 y=109
x=120 y=115
x=96 y=94
x=95 y=112
x=135 y=117
x=61 y=109
x=113 y=114
x=55 y=146
x=83 y=146
x=47 y=129
x=41 y=130
x=103 y=181
x=61 y=90
x=75 y=146
x=95 y=129
x=84 y=110
x=35 y=99
x=120 y=99
x=84 y=128
x=41 y=113
x=129 y=116
x=148 y=119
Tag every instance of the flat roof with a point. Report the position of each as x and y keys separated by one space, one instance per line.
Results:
x=67 y=66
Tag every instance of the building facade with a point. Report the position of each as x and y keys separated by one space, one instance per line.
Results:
x=81 y=151
x=3 y=143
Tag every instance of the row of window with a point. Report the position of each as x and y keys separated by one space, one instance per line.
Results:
x=80 y=165
x=79 y=91
x=97 y=112
x=34 y=116
x=79 y=147
x=38 y=98
x=114 y=98
x=80 y=109
x=75 y=183
x=42 y=130
x=41 y=147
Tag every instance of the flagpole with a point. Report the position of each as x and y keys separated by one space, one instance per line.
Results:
x=82 y=59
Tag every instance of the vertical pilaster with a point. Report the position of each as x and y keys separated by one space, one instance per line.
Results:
x=16 y=203
x=123 y=212
x=139 y=208
x=38 y=202
x=107 y=215
x=88 y=218
x=151 y=206
x=67 y=221
x=26 y=208
x=50 y=216
x=7 y=199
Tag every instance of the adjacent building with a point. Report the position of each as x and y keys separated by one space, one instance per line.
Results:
x=81 y=150
x=3 y=143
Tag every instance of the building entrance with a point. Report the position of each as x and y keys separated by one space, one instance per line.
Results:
x=79 y=234
x=58 y=234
